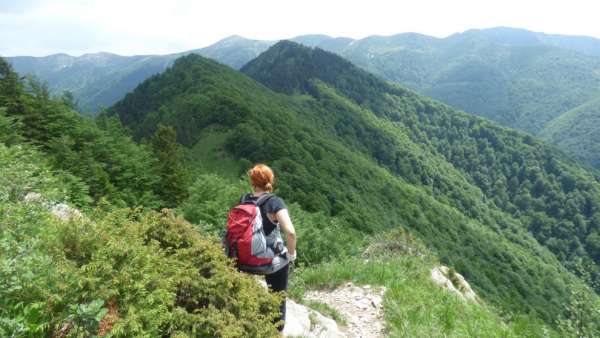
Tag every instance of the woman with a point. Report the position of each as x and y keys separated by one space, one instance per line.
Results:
x=262 y=179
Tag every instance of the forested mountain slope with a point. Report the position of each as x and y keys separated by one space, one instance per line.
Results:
x=503 y=74
x=100 y=79
x=582 y=44
x=577 y=132
x=96 y=80
x=519 y=78
x=378 y=156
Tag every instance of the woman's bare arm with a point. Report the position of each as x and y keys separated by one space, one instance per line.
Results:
x=285 y=222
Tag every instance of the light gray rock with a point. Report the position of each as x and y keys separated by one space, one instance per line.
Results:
x=438 y=276
x=33 y=197
x=441 y=276
x=64 y=212
x=304 y=322
x=301 y=321
x=61 y=211
x=376 y=301
x=297 y=323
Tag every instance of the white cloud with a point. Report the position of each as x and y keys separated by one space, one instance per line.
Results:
x=40 y=27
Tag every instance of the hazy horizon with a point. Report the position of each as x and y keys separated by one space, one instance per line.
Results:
x=287 y=38
x=136 y=27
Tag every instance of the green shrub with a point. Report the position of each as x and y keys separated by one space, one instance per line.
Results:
x=164 y=276
x=581 y=316
x=9 y=127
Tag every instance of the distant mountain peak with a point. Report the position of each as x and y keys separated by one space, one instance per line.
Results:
x=98 y=56
x=506 y=35
x=291 y=68
x=287 y=66
x=232 y=38
x=233 y=41
x=311 y=40
x=58 y=55
x=313 y=61
x=290 y=44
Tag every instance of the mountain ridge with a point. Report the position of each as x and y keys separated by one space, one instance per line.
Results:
x=521 y=85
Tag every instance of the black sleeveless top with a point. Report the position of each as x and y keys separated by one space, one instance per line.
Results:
x=271 y=206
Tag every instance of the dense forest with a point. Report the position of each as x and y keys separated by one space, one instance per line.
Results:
x=376 y=156
x=522 y=79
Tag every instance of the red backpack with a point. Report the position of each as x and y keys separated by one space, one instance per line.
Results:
x=246 y=241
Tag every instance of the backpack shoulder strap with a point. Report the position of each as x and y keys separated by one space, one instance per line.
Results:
x=263 y=199
x=258 y=202
x=245 y=199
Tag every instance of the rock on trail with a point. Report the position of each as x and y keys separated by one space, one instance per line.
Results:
x=302 y=321
x=361 y=306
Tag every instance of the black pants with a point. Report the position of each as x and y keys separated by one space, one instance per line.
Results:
x=278 y=281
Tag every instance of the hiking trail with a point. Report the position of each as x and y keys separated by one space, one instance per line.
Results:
x=360 y=306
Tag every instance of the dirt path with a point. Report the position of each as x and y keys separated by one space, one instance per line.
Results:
x=361 y=306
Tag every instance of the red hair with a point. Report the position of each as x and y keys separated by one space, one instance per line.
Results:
x=261 y=176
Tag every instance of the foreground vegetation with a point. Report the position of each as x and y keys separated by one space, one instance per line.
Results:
x=127 y=272
x=331 y=255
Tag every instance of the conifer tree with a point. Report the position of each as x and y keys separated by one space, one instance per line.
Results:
x=173 y=173
x=10 y=89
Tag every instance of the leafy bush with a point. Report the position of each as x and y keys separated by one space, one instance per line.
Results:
x=581 y=317
x=165 y=278
x=98 y=152
x=23 y=170
x=9 y=127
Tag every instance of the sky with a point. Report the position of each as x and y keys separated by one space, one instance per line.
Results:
x=129 y=27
